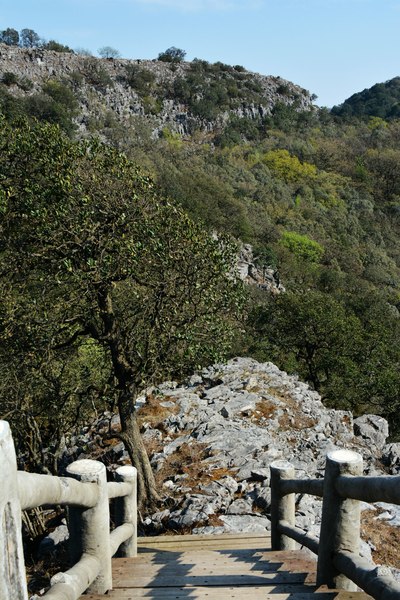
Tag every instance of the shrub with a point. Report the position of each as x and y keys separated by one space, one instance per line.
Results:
x=302 y=246
x=9 y=78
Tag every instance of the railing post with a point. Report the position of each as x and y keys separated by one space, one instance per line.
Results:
x=340 y=526
x=12 y=565
x=126 y=510
x=89 y=528
x=282 y=506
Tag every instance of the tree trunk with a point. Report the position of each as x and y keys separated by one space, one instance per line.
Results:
x=126 y=377
x=131 y=436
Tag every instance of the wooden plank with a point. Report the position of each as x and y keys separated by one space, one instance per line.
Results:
x=212 y=564
x=227 y=593
x=200 y=569
x=211 y=579
x=223 y=545
x=192 y=537
x=194 y=556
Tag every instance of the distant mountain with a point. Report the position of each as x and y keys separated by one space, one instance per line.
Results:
x=381 y=100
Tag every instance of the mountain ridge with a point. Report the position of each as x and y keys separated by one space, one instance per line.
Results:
x=185 y=97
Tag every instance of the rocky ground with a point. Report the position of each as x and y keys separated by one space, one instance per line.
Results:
x=212 y=439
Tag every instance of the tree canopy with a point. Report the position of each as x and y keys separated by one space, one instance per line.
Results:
x=95 y=268
x=172 y=55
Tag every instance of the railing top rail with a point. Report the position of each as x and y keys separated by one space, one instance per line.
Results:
x=369 y=488
x=314 y=487
x=42 y=490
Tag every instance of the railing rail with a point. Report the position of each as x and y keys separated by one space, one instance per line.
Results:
x=342 y=489
x=86 y=493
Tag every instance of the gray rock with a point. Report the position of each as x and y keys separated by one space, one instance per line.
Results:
x=260 y=474
x=246 y=523
x=391 y=457
x=372 y=429
x=51 y=543
x=241 y=506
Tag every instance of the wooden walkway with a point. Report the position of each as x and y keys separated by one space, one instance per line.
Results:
x=224 y=567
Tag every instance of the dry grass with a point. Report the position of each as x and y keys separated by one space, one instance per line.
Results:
x=296 y=420
x=189 y=460
x=265 y=409
x=383 y=536
x=153 y=413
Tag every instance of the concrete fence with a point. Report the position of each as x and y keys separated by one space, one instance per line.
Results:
x=343 y=487
x=86 y=493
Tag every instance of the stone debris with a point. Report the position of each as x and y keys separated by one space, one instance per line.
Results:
x=234 y=420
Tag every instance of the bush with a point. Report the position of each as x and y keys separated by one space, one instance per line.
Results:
x=172 y=55
x=9 y=78
x=302 y=246
x=140 y=79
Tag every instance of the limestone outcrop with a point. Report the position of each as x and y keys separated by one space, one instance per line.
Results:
x=103 y=87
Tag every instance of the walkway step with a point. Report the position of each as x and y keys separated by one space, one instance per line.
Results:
x=229 y=567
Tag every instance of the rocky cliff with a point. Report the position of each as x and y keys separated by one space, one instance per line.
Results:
x=185 y=97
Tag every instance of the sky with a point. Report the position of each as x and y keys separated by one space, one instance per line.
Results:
x=333 y=48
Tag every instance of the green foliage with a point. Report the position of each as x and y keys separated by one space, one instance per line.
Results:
x=349 y=354
x=302 y=246
x=172 y=55
x=140 y=79
x=9 y=36
x=29 y=38
x=9 y=78
x=97 y=270
x=55 y=46
x=57 y=104
x=381 y=100
x=288 y=167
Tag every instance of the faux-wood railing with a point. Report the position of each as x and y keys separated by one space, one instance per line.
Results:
x=87 y=494
x=339 y=563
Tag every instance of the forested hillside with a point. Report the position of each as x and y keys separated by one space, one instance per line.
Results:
x=381 y=100
x=318 y=197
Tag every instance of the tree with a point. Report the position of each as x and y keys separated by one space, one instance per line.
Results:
x=9 y=36
x=56 y=47
x=108 y=52
x=90 y=255
x=172 y=55
x=29 y=38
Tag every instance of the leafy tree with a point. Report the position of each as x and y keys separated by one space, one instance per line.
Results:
x=142 y=80
x=302 y=246
x=56 y=47
x=310 y=333
x=57 y=104
x=172 y=55
x=91 y=256
x=9 y=36
x=108 y=52
x=29 y=38
x=288 y=167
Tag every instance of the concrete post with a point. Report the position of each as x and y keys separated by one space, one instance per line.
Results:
x=126 y=510
x=89 y=528
x=340 y=526
x=12 y=565
x=282 y=506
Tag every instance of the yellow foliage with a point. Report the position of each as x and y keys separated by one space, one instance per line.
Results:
x=289 y=167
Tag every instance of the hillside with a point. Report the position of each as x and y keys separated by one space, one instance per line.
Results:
x=184 y=97
x=381 y=100
x=316 y=196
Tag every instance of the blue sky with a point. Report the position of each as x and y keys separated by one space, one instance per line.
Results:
x=333 y=48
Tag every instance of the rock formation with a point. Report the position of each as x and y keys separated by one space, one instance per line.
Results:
x=104 y=86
